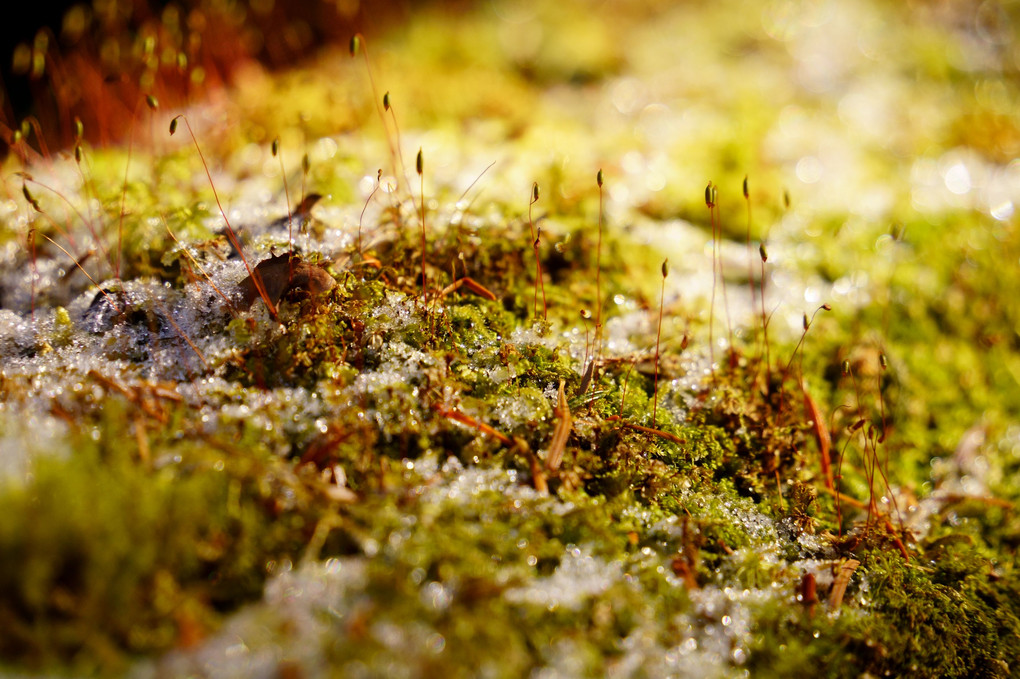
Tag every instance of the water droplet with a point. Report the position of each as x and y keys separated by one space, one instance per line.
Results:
x=436 y=643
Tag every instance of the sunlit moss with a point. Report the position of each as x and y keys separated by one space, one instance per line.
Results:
x=407 y=434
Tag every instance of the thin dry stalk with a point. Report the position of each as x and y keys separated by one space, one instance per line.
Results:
x=35 y=270
x=538 y=272
x=658 y=336
x=822 y=435
x=750 y=269
x=360 y=45
x=764 y=254
x=472 y=285
x=800 y=343
x=78 y=264
x=28 y=179
x=420 y=166
x=599 y=178
x=709 y=192
x=123 y=193
x=535 y=241
x=286 y=195
x=839 y=585
x=626 y=383
x=208 y=278
x=561 y=433
x=231 y=234
x=180 y=331
x=388 y=106
x=655 y=432
x=717 y=230
x=467 y=420
x=472 y=185
x=378 y=182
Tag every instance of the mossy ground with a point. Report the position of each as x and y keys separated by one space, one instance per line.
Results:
x=363 y=484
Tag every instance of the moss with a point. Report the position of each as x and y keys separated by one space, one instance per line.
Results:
x=451 y=568
x=108 y=555
x=957 y=605
x=413 y=441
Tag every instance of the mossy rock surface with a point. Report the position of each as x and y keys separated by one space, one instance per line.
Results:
x=476 y=426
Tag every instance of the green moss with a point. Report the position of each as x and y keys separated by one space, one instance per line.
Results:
x=106 y=554
x=341 y=427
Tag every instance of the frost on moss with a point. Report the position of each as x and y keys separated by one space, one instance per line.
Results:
x=464 y=474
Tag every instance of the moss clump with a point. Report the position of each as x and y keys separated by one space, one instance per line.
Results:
x=109 y=554
x=949 y=617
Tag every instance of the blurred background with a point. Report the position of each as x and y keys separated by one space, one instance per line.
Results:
x=877 y=107
x=62 y=60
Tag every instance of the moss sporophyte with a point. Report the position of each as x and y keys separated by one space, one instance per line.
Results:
x=268 y=405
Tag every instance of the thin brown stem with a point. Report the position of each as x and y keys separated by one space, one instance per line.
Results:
x=35 y=270
x=43 y=147
x=585 y=316
x=722 y=273
x=472 y=184
x=78 y=264
x=598 y=275
x=764 y=320
x=87 y=187
x=626 y=383
x=658 y=335
x=230 y=305
x=421 y=186
x=750 y=266
x=541 y=281
x=378 y=182
x=95 y=236
x=231 y=234
x=396 y=129
x=290 y=214
x=715 y=279
x=304 y=173
x=358 y=43
x=786 y=371
x=839 y=477
x=534 y=247
x=184 y=335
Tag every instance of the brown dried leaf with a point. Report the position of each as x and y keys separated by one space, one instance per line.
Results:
x=283 y=274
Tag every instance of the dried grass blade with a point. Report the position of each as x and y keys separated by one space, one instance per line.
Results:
x=564 y=425
x=839 y=585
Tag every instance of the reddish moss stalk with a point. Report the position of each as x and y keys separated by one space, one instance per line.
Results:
x=598 y=276
x=231 y=234
x=658 y=335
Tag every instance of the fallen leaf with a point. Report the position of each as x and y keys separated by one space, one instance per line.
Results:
x=283 y=274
